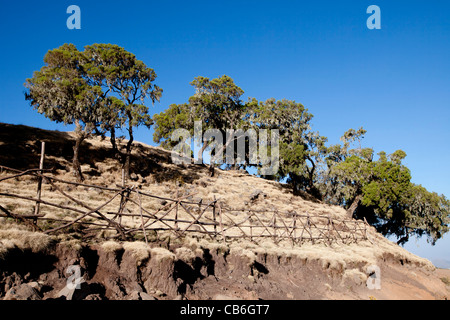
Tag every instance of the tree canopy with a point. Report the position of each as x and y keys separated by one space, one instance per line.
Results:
x=381 y=191
x=63 y=93
x=128 y=82
x=101 y=88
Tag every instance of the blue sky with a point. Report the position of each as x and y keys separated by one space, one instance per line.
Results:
x=394 y=82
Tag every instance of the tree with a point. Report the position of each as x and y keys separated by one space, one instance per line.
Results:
x=104 y=87
x=177 y=116
x=429 y=214
x=216 y=103
x=301 y=149
x=62 y=92
x=381 y=191
x=129 y=82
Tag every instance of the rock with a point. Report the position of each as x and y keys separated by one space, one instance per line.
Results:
x=95 y=296
x=256 y=194
x=291 y=213
x=134 y=177
x=146 y=296
x=22 y=292
x=134 y=296
x=178 y=297
x=34 y=285
x=159 y=293
x=163 y=202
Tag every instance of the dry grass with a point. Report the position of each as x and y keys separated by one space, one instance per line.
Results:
x=446 y=280
x=185 y=254
x=139 y=250
x=160 y=254
x=111 y=246
x=13 y=236
x=338 y=257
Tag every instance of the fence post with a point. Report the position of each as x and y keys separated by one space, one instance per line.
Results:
x=274 y=228
x=214 y=217
x=41 y=167
x=142 y=217
x=176 y=210
x=221 y=225
x=251 y=225
x=308 y=223
x=330 y=238
x=294 y=228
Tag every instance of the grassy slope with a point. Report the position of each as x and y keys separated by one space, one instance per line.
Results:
x=20 y=147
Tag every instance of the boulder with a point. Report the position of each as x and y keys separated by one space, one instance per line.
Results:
x=146 y=296
x=256 y=194
x=22 y=292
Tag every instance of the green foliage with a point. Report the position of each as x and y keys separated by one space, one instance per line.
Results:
x=104 y=87
x=61 y=90
x=127 y=80
x=300 y=148
x=429 y=213
x=216 y=103
x=383 y=192
x=177 y=116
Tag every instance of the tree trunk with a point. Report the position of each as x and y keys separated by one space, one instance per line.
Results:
x=76 y=154
x=126 y=165
x=211 y=169
x=295 y=180
x=113 y=142
x=353 y=206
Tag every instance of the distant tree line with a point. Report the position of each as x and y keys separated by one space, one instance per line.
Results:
x=104 y=88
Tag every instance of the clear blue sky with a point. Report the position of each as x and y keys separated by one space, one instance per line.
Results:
x=395 y=82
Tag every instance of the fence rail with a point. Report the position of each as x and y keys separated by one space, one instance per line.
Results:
x=128 y=211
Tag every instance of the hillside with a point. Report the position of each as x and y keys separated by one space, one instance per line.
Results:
x=193 y=266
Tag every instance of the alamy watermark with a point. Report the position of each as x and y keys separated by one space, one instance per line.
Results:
x=374 y=21
x=265 y=153
x=74 y=20
x=75 y=279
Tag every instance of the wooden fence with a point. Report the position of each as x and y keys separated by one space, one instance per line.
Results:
x=129 y=213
